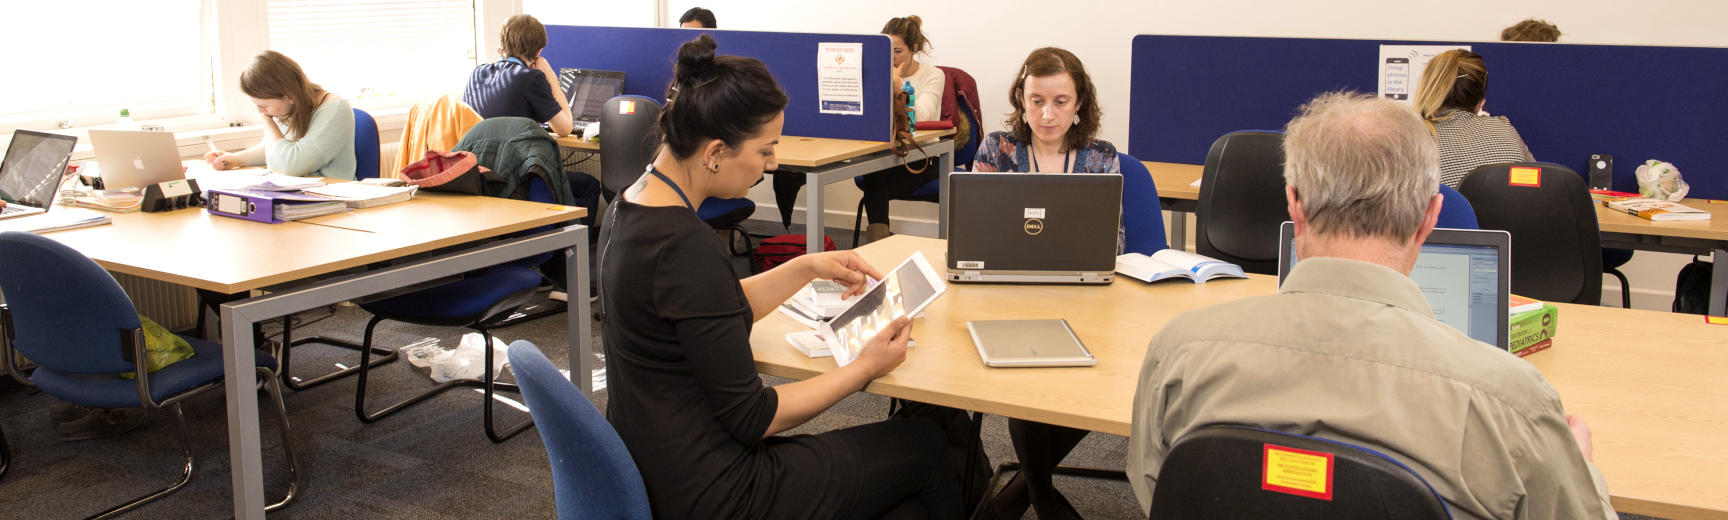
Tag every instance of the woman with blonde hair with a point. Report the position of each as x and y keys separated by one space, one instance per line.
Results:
x=307 y=132
x=1454 y=87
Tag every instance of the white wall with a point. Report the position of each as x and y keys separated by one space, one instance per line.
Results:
x=989 y=39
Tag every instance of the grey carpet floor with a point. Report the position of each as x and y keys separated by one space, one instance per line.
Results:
x=431 y=461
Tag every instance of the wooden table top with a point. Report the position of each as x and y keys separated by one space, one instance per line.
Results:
x=805 y=152
x=1659 y=407
x=1174 y=179
x=228 y=255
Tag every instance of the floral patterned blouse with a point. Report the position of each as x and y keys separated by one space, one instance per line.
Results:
x=1001 y=152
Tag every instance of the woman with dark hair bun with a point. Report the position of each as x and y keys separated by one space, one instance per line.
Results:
x=685 y=395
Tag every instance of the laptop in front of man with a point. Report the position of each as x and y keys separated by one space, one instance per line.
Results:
x=1057 y=228
x=1466 y=274
x=136 y=158
x=588 y=90
x=31 y=172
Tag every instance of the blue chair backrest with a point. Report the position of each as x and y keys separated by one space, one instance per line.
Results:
x=593 y=475
x=1455 y=210
x=67 y=313
x=1142 y=214
x=365 y=145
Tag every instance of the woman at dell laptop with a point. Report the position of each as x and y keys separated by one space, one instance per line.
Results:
x=1053 y=129
x=686 y=397
x=308 y=131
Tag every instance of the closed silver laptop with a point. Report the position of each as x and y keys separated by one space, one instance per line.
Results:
x=1033 y=227
x=136 y=158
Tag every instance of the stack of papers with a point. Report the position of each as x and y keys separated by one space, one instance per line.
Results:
x=118 y=201
x=55 y=220
x=360 y=195
x=818 y=302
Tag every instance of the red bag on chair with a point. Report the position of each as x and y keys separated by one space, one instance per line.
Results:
x=780 y=249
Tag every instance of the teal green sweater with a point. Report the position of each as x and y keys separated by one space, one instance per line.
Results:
x=327 y=149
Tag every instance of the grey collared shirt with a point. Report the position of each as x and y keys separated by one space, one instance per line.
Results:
x=1350 y=351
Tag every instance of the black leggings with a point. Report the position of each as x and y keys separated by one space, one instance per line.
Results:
x=897 y=468
x=1040 y=447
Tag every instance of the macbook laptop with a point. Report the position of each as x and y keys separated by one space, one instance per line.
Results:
x=136 y=158
x=1465 y=273
x=1033 y=227
x=31 y=172
x=588 y=90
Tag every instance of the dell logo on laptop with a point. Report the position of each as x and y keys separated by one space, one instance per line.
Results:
x=1034 y=226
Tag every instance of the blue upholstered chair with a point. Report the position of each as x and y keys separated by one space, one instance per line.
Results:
x=1218 y=471
x=1455 y=210
x=1142 y=213
x=75 y=322
x=366 y=148
x=366 y=166
x=593 y=475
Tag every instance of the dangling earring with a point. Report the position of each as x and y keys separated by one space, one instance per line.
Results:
x=1076 y=119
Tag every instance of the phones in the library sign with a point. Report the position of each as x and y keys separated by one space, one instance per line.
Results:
x=1397 y=78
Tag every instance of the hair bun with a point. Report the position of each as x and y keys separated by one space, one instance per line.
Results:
x=695 y=57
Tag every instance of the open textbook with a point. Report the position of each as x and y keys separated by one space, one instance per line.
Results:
x=1175 y=263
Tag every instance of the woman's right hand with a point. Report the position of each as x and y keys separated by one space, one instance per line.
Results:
x=217 y=160
x=888 y=349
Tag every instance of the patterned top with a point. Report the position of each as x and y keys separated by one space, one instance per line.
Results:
x=1469 y=140
x=1001 y=152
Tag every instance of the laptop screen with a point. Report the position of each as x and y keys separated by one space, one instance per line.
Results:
x=30 y=174
x=588 y=90
x=1464 y=273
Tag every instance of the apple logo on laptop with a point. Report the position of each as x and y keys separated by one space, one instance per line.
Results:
x=138 y=162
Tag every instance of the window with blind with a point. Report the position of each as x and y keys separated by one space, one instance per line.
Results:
x=378 y=52
x=66 y=64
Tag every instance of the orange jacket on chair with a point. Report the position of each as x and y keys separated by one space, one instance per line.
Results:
x=434 y=124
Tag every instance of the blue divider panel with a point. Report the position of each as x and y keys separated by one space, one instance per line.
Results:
x=1568 y=101
x=646 y=56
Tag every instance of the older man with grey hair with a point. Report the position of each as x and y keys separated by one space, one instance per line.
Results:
x=1349 y=349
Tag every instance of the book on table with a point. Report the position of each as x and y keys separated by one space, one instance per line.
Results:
x=1175 y=263
x=56 y=220
x=361 y=195
x=1533 y=331
x=1655 y=209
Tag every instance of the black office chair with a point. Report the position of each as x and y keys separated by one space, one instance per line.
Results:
x=1556 y=245
x=1219 y=471
x=628 y=143
x=1242 y=200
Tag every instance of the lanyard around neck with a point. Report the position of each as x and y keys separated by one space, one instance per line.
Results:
x=675 y=189
x=1065 y=157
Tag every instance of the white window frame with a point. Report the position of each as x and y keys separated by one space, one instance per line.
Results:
x=235 y=31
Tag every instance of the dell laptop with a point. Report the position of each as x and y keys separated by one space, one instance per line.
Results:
x=31 y=172
x=588 y=90
x=1033 y=227
x=136 y=158
x=1465 y=273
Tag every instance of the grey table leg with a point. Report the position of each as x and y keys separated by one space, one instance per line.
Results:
x=945 y=167
x=1719 y=283
x=581 y=324
x=813 y=228
x=1179 y=230
x=239 y=371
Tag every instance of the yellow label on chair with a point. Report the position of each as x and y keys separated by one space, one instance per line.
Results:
x=1716 y=320
x=1525 y=176
x=1297 y=472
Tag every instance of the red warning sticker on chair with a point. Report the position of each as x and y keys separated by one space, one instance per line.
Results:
x=1525 y=176
x=626 y=107
x=1716 y=320
x=1297 y=472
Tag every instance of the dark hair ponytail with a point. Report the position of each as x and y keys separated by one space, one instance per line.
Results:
x=721 y=97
